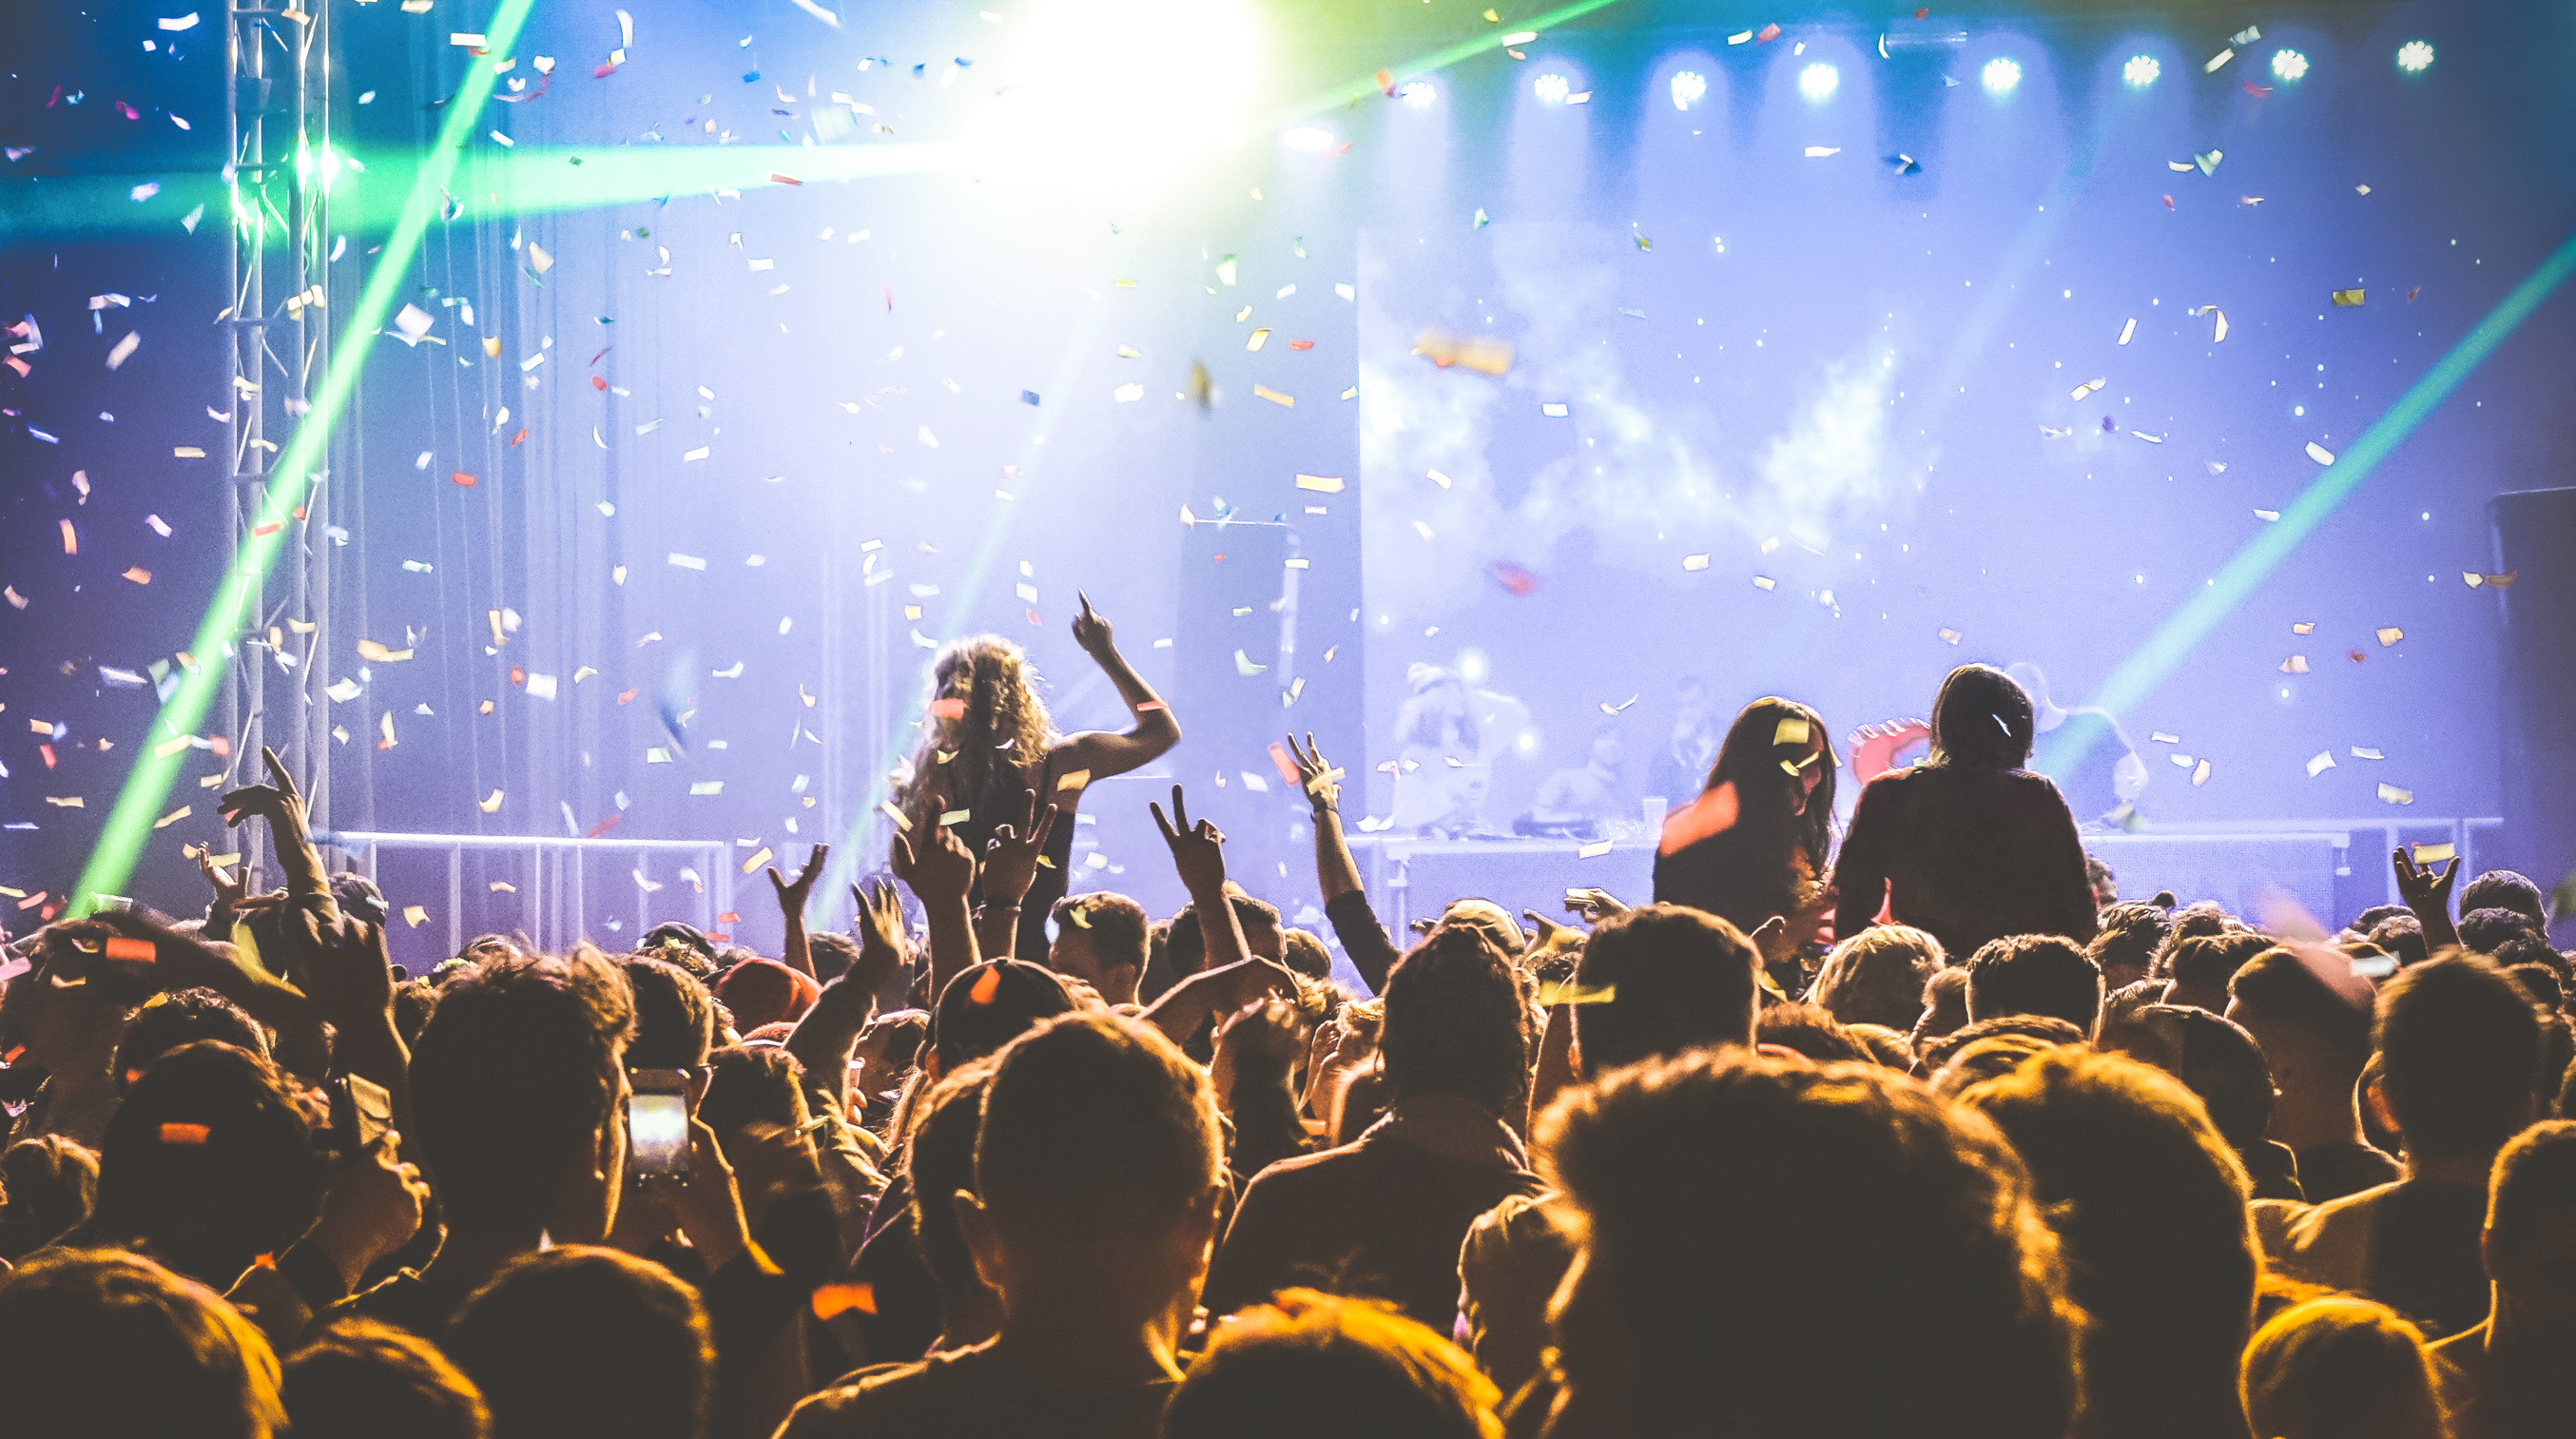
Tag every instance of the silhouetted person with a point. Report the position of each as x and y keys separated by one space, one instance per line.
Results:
x=587 y=1343
x=1969 y=846
x=2035 y=974
x=108 y=1345
x=1309 y=1364
x=2315 y=1035
x=2341 y=1368
x=2509 y=1377
x=358 y=1379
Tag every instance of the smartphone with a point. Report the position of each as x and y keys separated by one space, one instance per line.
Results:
x=657 y=1123
x=361 y=1112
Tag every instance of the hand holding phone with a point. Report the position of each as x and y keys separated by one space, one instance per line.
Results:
x=657 y=1123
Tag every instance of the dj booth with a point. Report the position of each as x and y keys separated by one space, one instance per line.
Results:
x=2247 y=868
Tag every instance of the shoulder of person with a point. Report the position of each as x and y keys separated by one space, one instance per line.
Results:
x=869 y=1401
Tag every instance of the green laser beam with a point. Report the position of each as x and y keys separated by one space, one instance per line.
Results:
x=147 y=785
x=2179 y=635
x=377 y=192
x=1337 y=96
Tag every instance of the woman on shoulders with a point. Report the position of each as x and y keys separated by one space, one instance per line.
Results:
x=988 y=740
x=1968 y=845
x=1754 y=845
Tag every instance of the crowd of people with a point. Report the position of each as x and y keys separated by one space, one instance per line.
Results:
x=1907 y=1129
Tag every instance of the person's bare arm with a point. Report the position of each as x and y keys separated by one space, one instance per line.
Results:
x=1556 y=1072
x=1099 y=753
x=940 y=874
x=1335 y=871
x=792 y=896
x=823 y=1039
x=1198 y=852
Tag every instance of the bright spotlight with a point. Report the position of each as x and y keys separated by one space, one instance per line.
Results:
x=1552 y=88
x=2001 y=74
x=1126 y=67
x=1818 y=81
x=1689 y=89
x=1309 y=139
x=2141 y=71
x=2289 y=64
x=1417 y=93
x=2414 y=56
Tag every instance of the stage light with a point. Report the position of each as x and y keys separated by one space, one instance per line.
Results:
x=2289 y=64
x=2414 y=57
x=1309 y=139
x=1084 y=101
x=2141 y=71
x=1417 y=94
x=2001 y=75
x=1551 y=88
x=1688 y=89
x=1818 y=81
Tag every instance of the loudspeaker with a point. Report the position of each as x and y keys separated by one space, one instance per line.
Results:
x=2535 y=534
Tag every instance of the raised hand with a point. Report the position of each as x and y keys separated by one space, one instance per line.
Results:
x=884 y=949
x=1091 y=631
x=1322 y=782
x=1011 y=861
x=282 y=805
x=792 y=894
x=372 y=1208
x=1594 y=905
x=940 y=870
x=1198 y=852
x=2424 y=885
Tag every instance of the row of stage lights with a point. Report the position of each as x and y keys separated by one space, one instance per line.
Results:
x=2000 y=76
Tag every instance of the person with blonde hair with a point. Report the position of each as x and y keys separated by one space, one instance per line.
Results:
x=988 y=744
x=1877 y=975
x=2339 y=1367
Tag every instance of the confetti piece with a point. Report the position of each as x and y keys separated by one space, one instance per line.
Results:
x=2435 y=853
x=2304 y=627
x=124 y=350
x=2128 y=330
x=1818 y=152
x=758 y=858
x=2217 y=61
x=2359 y=753
x=139 y=575
x=707 y=786
x=1764 y=582
x=1694 y=562
x=1244 y=666
x=1267 y=393
x=1129 y=393
x=833 y=1300
x=988 y=985
x=123 y=947
x=1072 y=779
x=2295 y=665
x=186 y=1135
x=2348 y=299
x=1256 y=340
x=1767 y=34
x=2320 y=453
x=2324 y=760
x=1593 y=851
x=503 y=886
x=900 y=823
x=415 y=915
x=2208 y=160
x=2088 y=387
x=2393 y=795
x=1481 y=353
x=2200 y=775
x=2221 y=334
x=687 y=562
x=173 y=817
x=2502 y=581
x=1320 y=484
x=1555 y=409
x=1552 y=995
x=1950 y=637
x=187 y=452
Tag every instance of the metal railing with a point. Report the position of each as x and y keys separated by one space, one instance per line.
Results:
x=556 y=905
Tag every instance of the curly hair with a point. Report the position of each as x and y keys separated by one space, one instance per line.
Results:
x=1000 y=730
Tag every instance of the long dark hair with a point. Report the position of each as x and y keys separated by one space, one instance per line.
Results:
x=1981 y=720
x=994 y=688
x=1772 y=733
